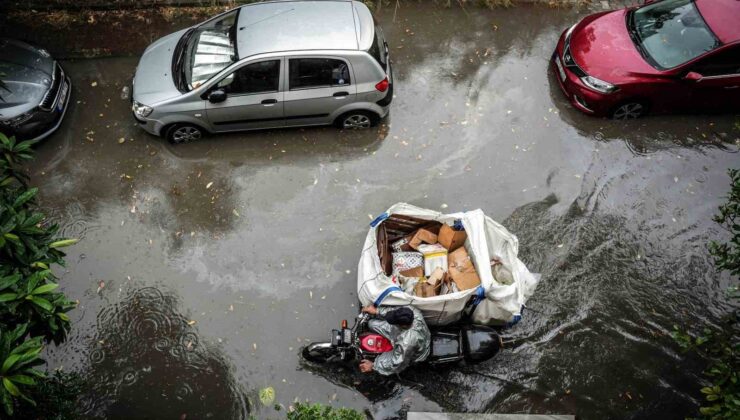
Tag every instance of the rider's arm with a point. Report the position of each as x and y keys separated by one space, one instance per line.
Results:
x=393 y=361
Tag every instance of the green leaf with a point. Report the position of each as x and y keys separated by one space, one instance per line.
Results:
x=707 y=390
x=42 y=303
x=267 y=395
x=39 y=264
x=44 y=289
x=63 y=316
x=63 y=243
x=8 y=281
x=25 y=197
x=6 y=297
x=9 y=362
x=22 y=379
x=7 y=402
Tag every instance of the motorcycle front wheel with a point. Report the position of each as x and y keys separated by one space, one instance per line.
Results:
x=321 y=353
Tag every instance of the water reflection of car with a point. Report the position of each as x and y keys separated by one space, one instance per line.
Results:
x=34 y=92
x=266 y=65
x=669 y=55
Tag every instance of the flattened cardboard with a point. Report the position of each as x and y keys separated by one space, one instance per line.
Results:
x=462 y=270
x=413 y=272
x=450 y=238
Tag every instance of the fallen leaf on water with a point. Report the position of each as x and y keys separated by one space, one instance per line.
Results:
x=121 y=140
x=191 y=322
x=209 y=185
x=443 y=206
x=93 y=84
x=267 y=395
x=236 y=213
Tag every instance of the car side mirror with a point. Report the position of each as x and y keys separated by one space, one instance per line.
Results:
x=216 y=96
x=693 y=76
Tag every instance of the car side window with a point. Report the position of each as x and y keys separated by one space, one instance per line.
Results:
x=260 y=77
x=721 y=64
x=318 y=72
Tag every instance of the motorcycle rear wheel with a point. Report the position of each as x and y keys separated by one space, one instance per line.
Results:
x=321 y=353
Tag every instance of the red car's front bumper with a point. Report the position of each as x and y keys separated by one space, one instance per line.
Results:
x=581 y=97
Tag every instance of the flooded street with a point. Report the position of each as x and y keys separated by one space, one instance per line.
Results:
x=203 y=268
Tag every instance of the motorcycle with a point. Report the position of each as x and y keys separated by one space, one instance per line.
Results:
x=471 y=343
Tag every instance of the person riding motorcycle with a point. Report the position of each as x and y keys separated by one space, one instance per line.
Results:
x=404 y=326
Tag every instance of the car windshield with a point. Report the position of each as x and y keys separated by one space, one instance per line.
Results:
x=210 y=48
x=670 y=33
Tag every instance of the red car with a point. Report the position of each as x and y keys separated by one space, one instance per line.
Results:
x=669 y=55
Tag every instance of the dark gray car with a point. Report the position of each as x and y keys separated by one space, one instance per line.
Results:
x=34 y=93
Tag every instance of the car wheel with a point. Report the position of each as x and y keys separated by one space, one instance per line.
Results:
x=357 y=120
x=630 y=110
x=183 y=133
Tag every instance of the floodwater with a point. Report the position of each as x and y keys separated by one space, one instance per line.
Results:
x=203 y=268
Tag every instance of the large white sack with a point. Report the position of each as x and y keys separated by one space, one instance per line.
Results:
x=500 y=303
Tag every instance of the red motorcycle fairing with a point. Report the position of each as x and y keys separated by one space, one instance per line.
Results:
x=375 y=343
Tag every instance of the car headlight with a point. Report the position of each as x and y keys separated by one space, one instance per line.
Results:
x=598 y=85
x=141 y=110
x=15 y=122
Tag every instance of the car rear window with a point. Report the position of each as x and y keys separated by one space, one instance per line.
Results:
x=377 y=49
x=318 y=72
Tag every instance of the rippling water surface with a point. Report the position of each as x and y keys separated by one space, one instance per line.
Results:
x=204 y=268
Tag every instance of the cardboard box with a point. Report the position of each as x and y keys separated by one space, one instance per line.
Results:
x=421 y=236
x=462 y=271
x=450 y=238
x=414 y=272
x=424 y=289
x=403 y=261
x=437 y=279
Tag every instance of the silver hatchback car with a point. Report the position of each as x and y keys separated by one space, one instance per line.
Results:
x=266 y=65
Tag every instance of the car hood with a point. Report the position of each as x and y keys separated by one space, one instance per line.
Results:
x=153 y=81
x=602 y=47
x=26 y=72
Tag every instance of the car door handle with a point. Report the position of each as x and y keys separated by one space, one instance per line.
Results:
x=269 y=102
x=732 y=87
x=340 y=95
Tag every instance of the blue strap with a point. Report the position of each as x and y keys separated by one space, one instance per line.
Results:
x=480 y=294
x=379 y=219
x=516 y=318
x=385 y=293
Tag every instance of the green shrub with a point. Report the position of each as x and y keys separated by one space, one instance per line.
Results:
x=721 y=347
x=31 y=309
x=321 y=411
x=56 y=398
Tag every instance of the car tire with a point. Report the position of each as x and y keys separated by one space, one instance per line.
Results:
x=356 y=120
x=183 y=133
x=630 y=110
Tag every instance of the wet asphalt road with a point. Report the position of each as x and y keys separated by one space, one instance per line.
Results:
x=203 y=268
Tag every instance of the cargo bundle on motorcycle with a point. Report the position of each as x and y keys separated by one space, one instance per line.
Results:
x=444 y=264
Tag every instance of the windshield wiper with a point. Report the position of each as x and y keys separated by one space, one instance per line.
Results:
x=178 y=70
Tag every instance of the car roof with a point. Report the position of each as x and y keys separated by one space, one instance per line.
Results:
x=723 y=17
x=303 y=25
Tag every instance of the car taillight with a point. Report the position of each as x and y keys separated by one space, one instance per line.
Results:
x=382 y=85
